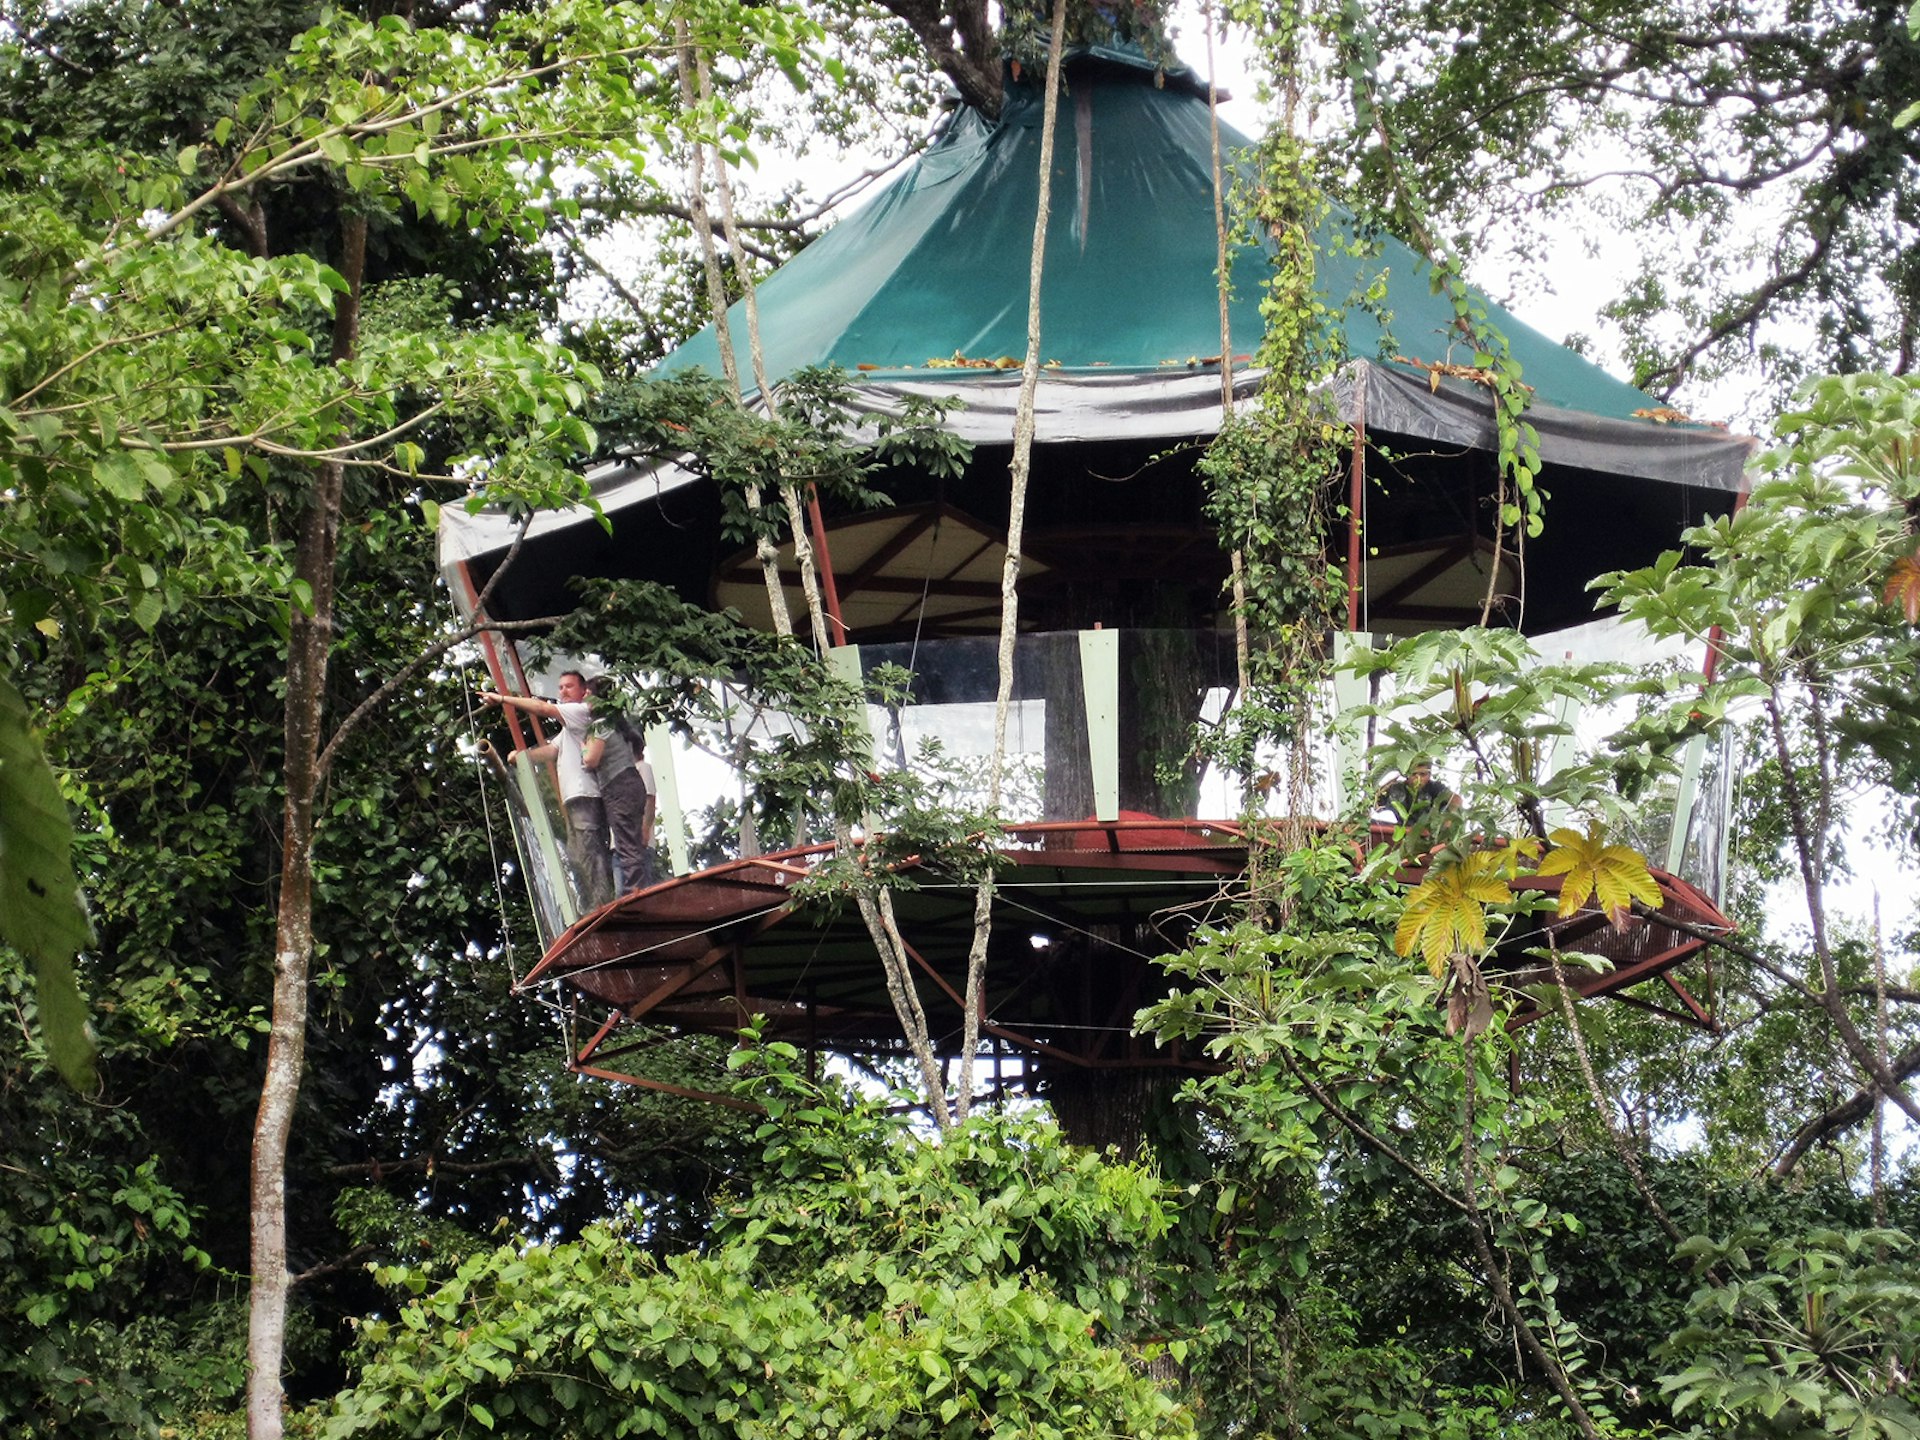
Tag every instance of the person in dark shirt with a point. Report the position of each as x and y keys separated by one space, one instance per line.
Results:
x=615 y=754
x=1418 y=804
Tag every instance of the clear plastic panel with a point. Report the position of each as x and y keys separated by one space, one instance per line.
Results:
x=1100 y=721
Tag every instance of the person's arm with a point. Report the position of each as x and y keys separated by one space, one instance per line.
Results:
x=646 y=821
x=592 y=751
x=532 y=704
x=537 y=752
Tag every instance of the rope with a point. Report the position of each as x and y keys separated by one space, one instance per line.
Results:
x=493 y=848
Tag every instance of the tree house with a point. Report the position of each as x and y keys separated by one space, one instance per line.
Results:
x=1124 y=637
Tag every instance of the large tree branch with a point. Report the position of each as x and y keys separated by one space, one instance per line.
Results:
x=441 y=646
x=973 y=63
x=331 y=1267
x=1744 y=317
x=414 y=666
x=797 y=224
x=1851 y=1111
x=249 y=219
x=1807 y=819
x=433 y=1165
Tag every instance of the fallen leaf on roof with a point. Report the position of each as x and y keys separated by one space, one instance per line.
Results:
x=969 y=362
x=1667 y=415
x=1435 y=369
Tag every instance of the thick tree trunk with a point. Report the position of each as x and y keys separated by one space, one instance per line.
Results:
x=1109 y=1109
x=309 y=636
x=1069 y=766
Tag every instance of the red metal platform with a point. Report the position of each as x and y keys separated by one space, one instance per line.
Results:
x=1082 y=910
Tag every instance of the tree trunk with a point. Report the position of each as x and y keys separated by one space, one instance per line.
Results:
x=1109 y=1109
x=1068 y=771
x=309 y=636
x=1020 y=472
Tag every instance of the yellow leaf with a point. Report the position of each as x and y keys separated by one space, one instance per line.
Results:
x=48 y=626
x=1447 y=910
x=1615 y=875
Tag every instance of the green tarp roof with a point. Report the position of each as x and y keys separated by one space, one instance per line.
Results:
x=937 y=263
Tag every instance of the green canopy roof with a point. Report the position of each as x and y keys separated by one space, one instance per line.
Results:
x=936 y=265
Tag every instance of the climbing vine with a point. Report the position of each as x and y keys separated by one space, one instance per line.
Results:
x=1521 y=501
x=1314 y=925
x=1266 y=472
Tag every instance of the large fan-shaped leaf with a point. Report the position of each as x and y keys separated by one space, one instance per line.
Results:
x=1903 y=587
x=1616 y=875
x=41 y=914
x=1447 y=910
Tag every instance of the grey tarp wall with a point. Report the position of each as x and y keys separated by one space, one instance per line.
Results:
x=1177 y=404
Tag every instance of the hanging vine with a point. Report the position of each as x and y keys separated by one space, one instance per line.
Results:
x=1492 y=366
x=1269 y=477
x=1267 y=471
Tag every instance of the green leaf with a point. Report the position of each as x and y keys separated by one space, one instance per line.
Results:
x=120 y=475
x=41 y=913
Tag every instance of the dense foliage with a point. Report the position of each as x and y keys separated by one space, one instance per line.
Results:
x=869 y=1283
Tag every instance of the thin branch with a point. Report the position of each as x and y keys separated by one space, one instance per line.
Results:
x=641 y=309
x=19 y=403
x=1551 y=1363
x=1620 y=1147
x=1724 y=941
x=331 y=1267
x=1370 y=1138
x=436 y=650
x=311 y=149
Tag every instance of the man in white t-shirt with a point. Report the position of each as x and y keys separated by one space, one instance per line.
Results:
x=579 y=790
